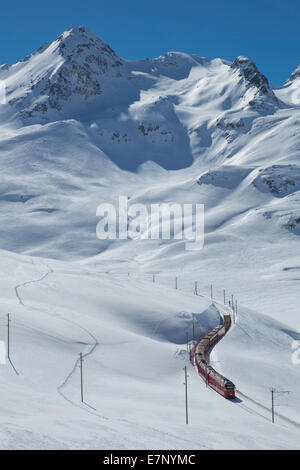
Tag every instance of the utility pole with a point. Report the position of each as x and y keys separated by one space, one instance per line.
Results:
x=232 y=304
x=273 y=391
x=196 y=288
x=236 y=308
x=211 y=291
x=187 y=341
x=193 y=330
x=153 y=278
x=81 y=377
x=8 y=336
x=224 y=294
x=176 y=283
x=186 y=396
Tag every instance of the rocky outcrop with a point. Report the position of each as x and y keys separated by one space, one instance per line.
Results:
x=253 y=78
x=279 y=180
x=82 y=58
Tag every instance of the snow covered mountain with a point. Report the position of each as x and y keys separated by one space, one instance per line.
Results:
x=76 y=112
x=79 y=126
x=82 y=126
x=79 y=67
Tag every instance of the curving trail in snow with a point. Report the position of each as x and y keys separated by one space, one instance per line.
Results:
x=30 y=282
x=90 y=351
x=71 y=373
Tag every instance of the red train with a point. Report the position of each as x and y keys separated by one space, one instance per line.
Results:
x=198 y=357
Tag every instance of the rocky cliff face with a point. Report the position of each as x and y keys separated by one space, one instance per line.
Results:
x=249 y=73
x=72 y=66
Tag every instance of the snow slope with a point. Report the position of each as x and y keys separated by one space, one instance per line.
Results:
x=132 y=334
x=81 y=126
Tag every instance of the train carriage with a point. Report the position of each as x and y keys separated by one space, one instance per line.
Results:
x=198 y=357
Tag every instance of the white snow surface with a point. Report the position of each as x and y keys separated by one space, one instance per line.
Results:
x=132 y=334
x=82 y=126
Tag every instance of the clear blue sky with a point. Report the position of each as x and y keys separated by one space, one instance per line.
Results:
x=267 y=31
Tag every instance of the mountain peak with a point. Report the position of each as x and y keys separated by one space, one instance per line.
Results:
x=73 y=65
x=295 y=74
x=250 y=73
x=253 y=78
x=77 y=31
x=78 y=39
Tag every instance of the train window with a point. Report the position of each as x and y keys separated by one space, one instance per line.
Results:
x=230 y=386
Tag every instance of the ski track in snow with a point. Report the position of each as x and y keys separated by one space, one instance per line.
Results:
x=88 y=353
x=30 y=282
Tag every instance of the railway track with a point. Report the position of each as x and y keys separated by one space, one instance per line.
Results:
x=241 y=399
x=254 y=407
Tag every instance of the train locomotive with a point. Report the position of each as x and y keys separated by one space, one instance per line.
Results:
x=199 y=358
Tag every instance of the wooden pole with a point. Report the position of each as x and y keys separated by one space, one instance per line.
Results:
x=272 y=393
x=81 y=377
x=186 y=396
x=280 y=392
x=8 y=336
